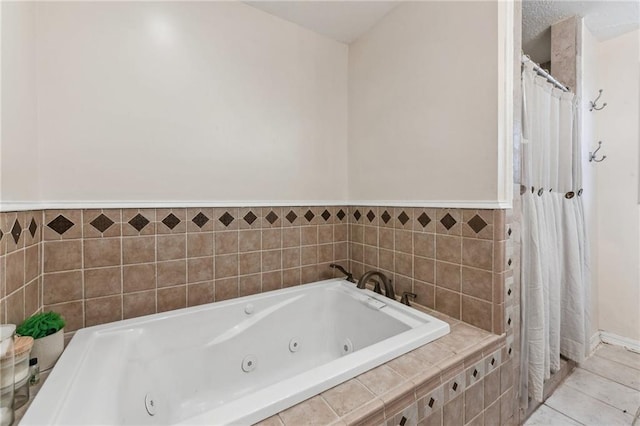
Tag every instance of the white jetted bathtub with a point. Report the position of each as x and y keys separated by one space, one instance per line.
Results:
x=237 y=361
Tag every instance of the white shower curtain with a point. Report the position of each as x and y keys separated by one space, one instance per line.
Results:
x=555 y=285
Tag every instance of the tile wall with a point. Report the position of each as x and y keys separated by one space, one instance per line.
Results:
x=97 y=266
x=454 y=260
x=20 y=265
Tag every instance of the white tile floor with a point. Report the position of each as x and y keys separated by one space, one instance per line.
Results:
x=603 y=391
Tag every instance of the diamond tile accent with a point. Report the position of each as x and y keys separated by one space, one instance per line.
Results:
x=403 y=218
x=101 y=223
x=341 y=214
x=250 y=217
x=509 y=321
x=33 y=227
x=271 y=217
x=291 y=216
x=326 y=215
x=510 y=350
x=509 y=292
x=509 y=262
x=493 y=361
x=371 y=216
x=509 y=232
x=477 y=224
x=16 y=231
x=357 y=214
x=309 y=215
x=171 y=221
x=431 y=402
x=226 y=219
x=60 y=224
x=200 y=220
x=386 y=217
x=475 y=372
x=403 y=421
x=455 y=386
x=1 y=234
x=424 y=219
x=448 y=221
x=139 y=222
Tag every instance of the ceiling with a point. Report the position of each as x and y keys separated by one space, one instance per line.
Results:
x=605 y=19
x=343 y=21
x=346 y=20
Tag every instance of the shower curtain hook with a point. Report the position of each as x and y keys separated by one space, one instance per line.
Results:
x=592 y=155
x=593 y=103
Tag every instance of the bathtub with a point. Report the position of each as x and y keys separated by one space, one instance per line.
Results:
x=232 y=362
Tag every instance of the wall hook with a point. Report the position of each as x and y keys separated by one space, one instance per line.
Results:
x=594 y=105
x=592 y=155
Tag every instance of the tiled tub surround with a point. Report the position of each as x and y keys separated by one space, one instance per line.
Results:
x=455 y=260
x=20 y=265
x=464 y=378
x=97 y=266
x=100 y=266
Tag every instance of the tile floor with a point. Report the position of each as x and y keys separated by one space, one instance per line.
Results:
x=603 y=391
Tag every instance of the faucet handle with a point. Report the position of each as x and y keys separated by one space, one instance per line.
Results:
x=376 y=287
x=405 y=297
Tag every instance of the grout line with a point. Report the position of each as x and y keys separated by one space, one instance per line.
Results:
x=559 y=412
x=594 y=397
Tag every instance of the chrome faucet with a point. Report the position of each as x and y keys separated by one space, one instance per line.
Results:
x=388 y=288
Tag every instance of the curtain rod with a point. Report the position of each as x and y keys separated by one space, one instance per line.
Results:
x=542 y=72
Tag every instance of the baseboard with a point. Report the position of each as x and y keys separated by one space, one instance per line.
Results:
x=596 y=339
x=614 y=339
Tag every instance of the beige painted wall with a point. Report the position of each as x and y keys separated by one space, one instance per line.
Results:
x=587 y=68
x=18 y=142
x=617 y=178
x=201 y=102
x=423 y=105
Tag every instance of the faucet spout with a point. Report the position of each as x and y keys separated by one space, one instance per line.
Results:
x=344 y=271
x=388 y=288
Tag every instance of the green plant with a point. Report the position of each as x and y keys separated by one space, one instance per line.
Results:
x=41 y=325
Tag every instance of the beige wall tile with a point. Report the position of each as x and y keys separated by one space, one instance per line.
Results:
x=226 y=289
x=448 y=276
x=103 y=310
x=448 y=248
x=309 y=274
x=250 y=263
x=250 y=284
x=448 y=302
x=15 y=307
x=477 y=253
x=200 y=293
x=347 y=396
x=138 y=277
x=31 y=298
x=171 y=298
x=271 y=260
x=404 y=241
x=62 y=287
x=15 y=271
x=200 y=269
x=102 y=281
x=200 y=244
x=171 y=247
x=139 y=304
x=62 y=255
x=308 y=235
x=290 y=258
x=271 y=280
x=200 y=220
x=424 y=245
x=249 y=240
x=276 y=238
x=138 y=250
x=290 y=277
x=171 y=273
x=477 y=283
x=424 y=269
x=325 y=234
x=31 y=263
x=226 y=242
x=226 y=266
x=309 y=255
x=102 y=252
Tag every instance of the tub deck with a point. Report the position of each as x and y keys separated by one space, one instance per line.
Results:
x=403 y=386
